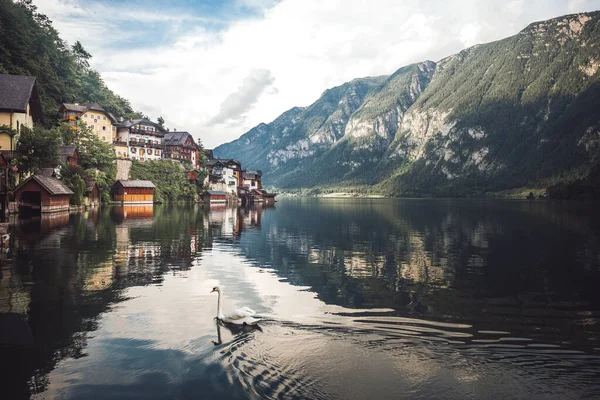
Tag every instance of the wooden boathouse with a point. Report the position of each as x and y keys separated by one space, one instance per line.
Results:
x=215 y=197
x=133 y=191
x=92 y=193
x=43 y=193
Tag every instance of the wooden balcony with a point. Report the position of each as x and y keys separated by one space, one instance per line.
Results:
x=146 y=145
x=145 y=132
x=9 y=154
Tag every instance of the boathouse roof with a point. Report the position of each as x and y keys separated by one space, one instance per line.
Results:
x=51 y=185
x=135 y=183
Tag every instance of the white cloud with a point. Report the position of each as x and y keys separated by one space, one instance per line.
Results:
x=239 y=102
x=206 y=81
x=469 y=33
x=515 y=7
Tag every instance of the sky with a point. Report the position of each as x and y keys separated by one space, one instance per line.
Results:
x=217 y=68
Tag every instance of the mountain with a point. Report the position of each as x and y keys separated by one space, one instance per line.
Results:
x=518 y=112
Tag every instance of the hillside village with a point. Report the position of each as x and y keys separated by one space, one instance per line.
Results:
x=137 y=140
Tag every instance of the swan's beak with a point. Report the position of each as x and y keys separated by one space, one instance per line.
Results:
x=212 y=290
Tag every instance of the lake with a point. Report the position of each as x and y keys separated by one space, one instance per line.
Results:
x=359 y=298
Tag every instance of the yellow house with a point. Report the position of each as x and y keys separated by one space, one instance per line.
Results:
x=19 y=106
x=94 y=116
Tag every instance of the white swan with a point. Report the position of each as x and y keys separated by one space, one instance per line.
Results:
x=240 y=316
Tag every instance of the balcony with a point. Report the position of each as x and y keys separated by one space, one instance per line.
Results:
x=119 y=143
x=9 y=154
x=146 y=145
x=145 y=132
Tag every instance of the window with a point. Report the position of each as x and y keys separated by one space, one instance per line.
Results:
x=84 y=115
x=133 y=150
x=103 y=128
x=92 y=126
x=157 y=152
x=104 y=118
x=149 y=151
x=104 y=138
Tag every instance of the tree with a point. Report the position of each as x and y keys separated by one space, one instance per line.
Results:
x=170 y=178
x=38 y=148
x=74 y=178
x=82 y=57
x=94 y=153
x=161 y=121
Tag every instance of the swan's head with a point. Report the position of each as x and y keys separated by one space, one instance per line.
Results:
x=216 y=289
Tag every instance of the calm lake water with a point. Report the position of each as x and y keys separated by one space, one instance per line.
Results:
x=360 y=298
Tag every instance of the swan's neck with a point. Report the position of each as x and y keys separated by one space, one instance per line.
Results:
x=219 y=313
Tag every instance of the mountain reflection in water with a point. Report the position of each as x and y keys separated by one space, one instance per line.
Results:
x=360 y=298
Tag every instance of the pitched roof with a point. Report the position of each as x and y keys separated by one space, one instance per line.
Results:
x=89 y=186
x=213 y=162
x=251 y=174
x=74 y=107
x=177 y=138
x=67 y=150
x=130 y=122
x=49 y=184
x=46 y=172
x=81 y=108
x=136 y=183
x=15 y=92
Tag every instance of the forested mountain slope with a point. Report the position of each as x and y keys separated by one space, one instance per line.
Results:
x=29 y=45
x=519 y=112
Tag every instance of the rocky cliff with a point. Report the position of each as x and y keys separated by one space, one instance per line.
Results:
x=522 y=111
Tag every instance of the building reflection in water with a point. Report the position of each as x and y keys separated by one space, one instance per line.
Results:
x=70 y=268
x=232 y=220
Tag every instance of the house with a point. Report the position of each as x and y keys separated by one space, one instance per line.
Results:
x=261 y=195
x=43 y=193
x=181 y=146
x=100 y=121
x=68 y=155
x=139 y=139
x=19 y=106
x=236 y=166
x=215 y=196
x=92 y=193
x=133 y=191
x=4 y=183
x=252 y=179
x=220 y=176
x=193 y=175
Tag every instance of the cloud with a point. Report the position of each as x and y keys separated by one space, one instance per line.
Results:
x=236 y=104
x=212 y=71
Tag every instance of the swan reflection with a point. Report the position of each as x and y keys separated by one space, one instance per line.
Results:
x=234 y=330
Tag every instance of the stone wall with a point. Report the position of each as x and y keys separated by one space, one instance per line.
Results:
x=123 y=168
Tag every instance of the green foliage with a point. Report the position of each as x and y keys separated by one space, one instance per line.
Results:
x=104 y=180
x=38 y=148
x=169 y=177
x=73 y=177
x=516 y=113
x=94 y=153
x=29 y=45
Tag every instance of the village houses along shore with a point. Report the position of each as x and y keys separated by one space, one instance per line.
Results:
x=140 y=140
